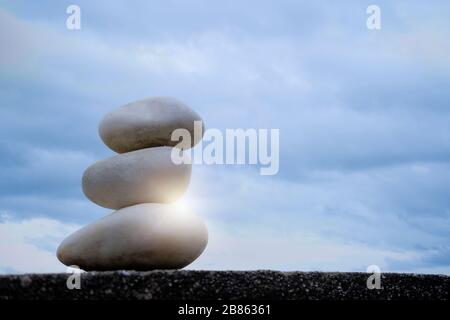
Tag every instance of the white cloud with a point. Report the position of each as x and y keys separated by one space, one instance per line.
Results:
x=258 y=247
x=338 y=221
x=30 y=245
x=172 y=57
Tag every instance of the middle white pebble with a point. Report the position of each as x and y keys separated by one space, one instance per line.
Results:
x=142 y=176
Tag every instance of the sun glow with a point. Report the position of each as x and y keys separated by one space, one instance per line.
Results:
x=182 y=205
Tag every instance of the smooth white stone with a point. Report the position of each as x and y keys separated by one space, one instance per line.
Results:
x=141 y=237
x=142 y=176
x=147 y=123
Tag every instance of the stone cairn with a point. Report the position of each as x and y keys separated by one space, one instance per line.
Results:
x=145 y=232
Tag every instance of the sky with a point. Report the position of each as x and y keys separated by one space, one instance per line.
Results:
x=363 y=117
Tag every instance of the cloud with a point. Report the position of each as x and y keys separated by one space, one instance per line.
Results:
x=29 y=245
x=367 y=216
x=256 y=248
x=43 y=171
x=37 y=182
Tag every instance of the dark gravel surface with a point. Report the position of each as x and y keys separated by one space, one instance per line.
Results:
x=224 y=285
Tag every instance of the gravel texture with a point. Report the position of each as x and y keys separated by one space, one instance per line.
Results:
x=224 y=285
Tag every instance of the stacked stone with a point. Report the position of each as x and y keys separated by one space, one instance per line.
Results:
x=145 y=232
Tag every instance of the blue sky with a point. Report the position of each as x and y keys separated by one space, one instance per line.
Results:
x=363 y=116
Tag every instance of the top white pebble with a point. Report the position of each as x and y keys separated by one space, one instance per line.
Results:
x=147 y=123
